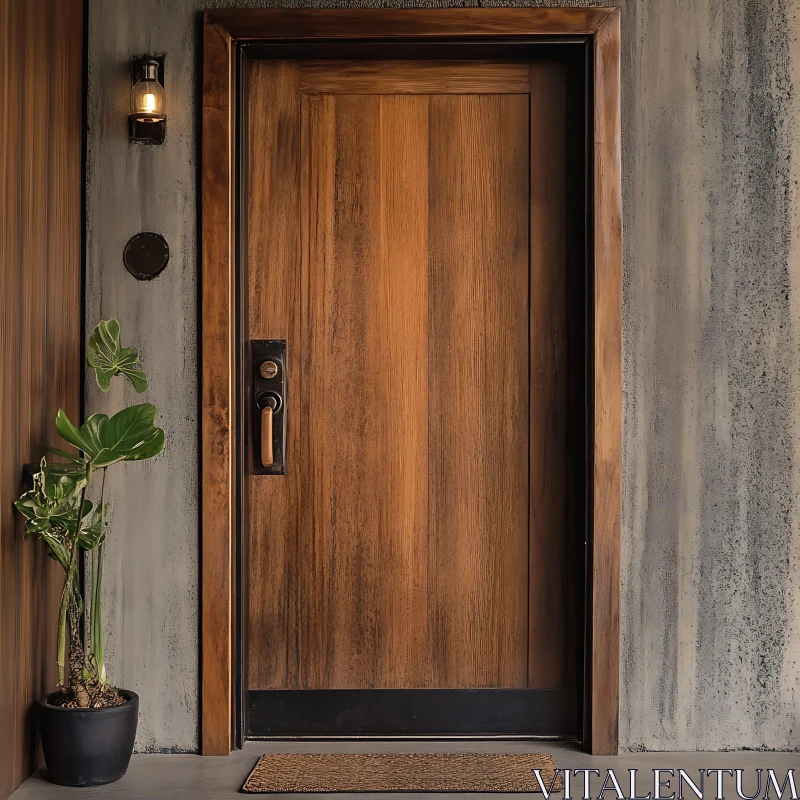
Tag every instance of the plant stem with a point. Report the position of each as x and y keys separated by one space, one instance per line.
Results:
x=67 y=598
x=61 y=657
x=67 y=595
x=77 y=654
x=97 y=648
x=71 y=569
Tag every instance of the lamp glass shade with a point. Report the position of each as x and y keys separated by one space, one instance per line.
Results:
x=147 y=101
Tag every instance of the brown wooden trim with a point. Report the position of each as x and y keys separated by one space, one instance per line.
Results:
x=605 y=534
x=340 y=23
x=219 y=502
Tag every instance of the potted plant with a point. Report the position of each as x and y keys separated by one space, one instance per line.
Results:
x=88 y=726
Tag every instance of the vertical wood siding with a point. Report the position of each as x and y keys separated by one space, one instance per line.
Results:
x=41 y=106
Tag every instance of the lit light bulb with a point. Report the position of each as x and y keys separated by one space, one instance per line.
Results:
x=149 y=103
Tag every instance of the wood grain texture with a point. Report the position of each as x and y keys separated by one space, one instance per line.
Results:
x=551 y=639
x=463 y=571
x=405 y=600
x=478 y=362
x=343 y=23
x=273 y=301
x=41 y=57
x=412 y=77
x=386 y=594
x=364 y=404
x=346 y=389
x=604 y=592
x=218 y=395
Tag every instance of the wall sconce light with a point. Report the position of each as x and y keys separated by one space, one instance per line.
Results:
x=147 y=121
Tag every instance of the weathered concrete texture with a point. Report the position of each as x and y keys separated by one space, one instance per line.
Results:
x=711 y=642
x=711 y=527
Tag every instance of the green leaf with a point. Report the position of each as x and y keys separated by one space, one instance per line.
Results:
x=70 y=456
x=51 y=510
x=67 y=431
x=130 y=435
x=77 y=471
x=108 y=358
x=91 y=534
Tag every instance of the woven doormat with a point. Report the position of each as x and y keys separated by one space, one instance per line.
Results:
x=400 y=772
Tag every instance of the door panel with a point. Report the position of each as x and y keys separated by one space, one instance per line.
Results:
x=364 y=462
x=414 y=77
x=478 y=374
x=386 y=239
x=272 y=241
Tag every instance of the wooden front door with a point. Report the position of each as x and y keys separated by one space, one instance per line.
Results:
x=405 y=240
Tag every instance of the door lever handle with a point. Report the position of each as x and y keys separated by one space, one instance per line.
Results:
x=266 y=436
x=270 y=404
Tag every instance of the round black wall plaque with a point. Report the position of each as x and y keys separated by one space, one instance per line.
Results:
x=145 y=255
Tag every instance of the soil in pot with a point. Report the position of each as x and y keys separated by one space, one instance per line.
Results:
x=99 y=695
x=87 y=746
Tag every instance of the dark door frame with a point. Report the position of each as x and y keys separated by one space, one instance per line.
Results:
x=223 y=31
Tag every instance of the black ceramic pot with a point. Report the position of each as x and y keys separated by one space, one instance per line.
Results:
x=88 y=746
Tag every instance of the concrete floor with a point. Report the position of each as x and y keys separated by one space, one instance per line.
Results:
x=186 y=776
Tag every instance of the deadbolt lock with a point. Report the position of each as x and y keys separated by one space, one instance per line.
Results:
x=269 y=410
x=268 y=369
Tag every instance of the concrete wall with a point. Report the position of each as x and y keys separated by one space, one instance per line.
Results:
x=711 y=536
